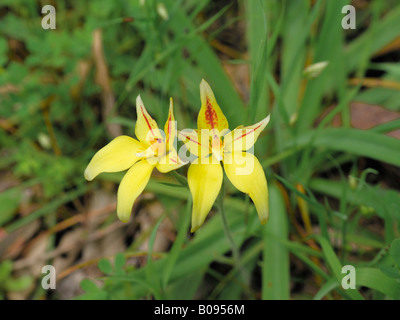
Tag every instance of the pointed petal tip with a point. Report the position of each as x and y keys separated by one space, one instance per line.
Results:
x=264 y=122
x=194 y=228
x=123 y=216
x=123 y=212
x=263 y=212
x=88 y=175
x=139 y=101
x=204 y=86
x=264 y=220
x=171 y=106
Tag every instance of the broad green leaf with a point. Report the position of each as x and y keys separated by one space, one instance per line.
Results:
x=391 y=272
x=374 y=278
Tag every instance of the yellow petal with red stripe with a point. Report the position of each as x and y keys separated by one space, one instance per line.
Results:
x=247 y=175
x=193 y=142
x=169 y=162
x=170 y=127
x=210 y=115
x=146 y=128
x=131 y=186
x=243 y=138
x=118 y=155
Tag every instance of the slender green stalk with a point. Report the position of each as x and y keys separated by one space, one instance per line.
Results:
x=229 y=236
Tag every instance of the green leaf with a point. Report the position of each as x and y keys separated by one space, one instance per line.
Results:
x=92 y=291
x=327 y=287
x=9 y=202
x=119 y=261
x=3 y=51
x=385 y=202
x=275 y=270
x=105 y=266
x=5 y=270
x=394 y=251
x=374 y=278
x=152 y=277
x=19 y=284
x=336 y=267
x=358 y=142
x=49 y=207
x=178 y=244
x=186 y=287
x=374 y=39
x=390 y=271
x=89 y=286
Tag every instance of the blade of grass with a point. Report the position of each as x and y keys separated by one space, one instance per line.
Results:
x=275 y=270
x=152 y=277
x=327 y=287
x=52 y=206
x=374 y=278
x=335 y=266
x=178 y=243
x=358 y=142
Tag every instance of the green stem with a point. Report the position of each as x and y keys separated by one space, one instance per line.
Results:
x=180 y=178
x=229 y=236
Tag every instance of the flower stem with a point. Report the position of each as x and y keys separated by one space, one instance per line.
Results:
x=180 y=178
x=229 y=236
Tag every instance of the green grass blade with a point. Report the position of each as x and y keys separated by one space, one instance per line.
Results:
x=358 y=142
x=374 y=278
x=275 y=270
x=335 y=266
x=178 y=243
x=327 y=287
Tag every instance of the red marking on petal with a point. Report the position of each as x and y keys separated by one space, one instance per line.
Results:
x=248 y=132
x=168 y=130
x=211 y=115
x=173 y=160
x=147 y=121
x=190 y=139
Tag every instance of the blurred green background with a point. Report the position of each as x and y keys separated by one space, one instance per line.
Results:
x=331 y=152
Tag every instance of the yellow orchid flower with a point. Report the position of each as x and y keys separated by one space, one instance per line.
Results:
x=212 y=143
x=154 y=149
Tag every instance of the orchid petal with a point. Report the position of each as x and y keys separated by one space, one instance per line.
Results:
x=205 y=181
x=146 y=128
x=169 y=162
x=210 y=115
x=247 y=175
x=118 y=155
x=131 y=186
x=193 y=142
x=170 y=127
x=243 y=138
